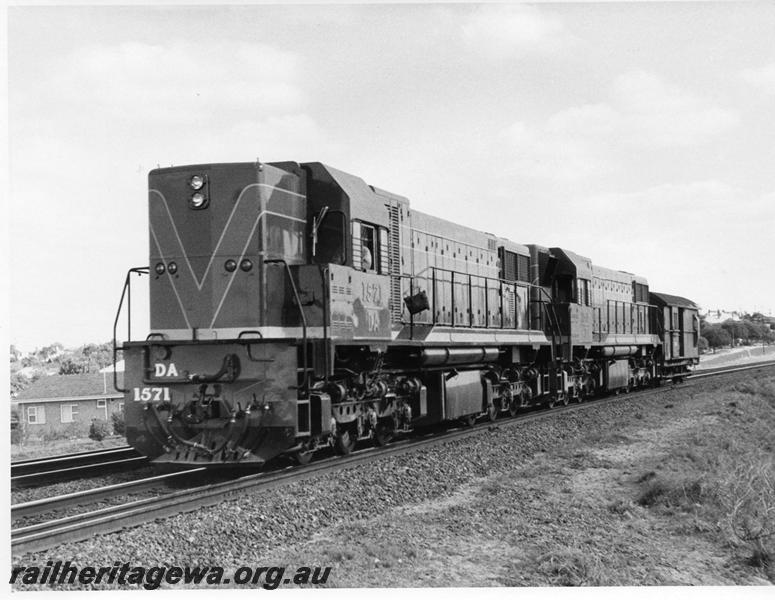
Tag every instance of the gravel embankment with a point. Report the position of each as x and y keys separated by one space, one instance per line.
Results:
x=244 y=530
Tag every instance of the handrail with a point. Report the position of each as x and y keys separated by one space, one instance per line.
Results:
x=555 y=327
x=305 y=386
x=127 y=287
x=485 y=283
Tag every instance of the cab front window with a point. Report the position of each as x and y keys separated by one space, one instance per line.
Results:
x=328 y=238
x=285 y=239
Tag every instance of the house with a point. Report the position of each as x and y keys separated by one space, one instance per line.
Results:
x=67 y=404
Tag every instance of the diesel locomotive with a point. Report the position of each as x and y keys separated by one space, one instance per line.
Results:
x=293 y=306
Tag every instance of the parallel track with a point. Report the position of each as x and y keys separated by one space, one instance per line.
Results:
x=45 y=505
x=106 y=520
x=729 y=369
x=40 y=471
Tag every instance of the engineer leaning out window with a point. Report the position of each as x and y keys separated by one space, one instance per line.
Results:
x=366 y=260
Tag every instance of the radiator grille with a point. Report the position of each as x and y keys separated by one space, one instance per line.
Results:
x=523 y=268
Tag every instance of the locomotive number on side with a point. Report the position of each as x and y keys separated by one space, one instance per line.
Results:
x=151 y=394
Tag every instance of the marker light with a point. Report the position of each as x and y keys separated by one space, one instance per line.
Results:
x=246 y=264
x=198 y=200
x=230 y=265
x=172 y=268
x=196 y=182
x=159 y=268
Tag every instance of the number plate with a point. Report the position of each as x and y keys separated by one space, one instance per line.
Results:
x=152 y=394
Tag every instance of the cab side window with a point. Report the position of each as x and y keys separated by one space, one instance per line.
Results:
x=369 y=247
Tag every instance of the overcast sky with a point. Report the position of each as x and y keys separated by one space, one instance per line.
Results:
x=639 y=135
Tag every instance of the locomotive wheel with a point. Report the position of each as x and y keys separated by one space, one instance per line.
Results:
x=565 y=399
x=302 y=457
x=344 y=442
x=383 y=435
x=493 y=410
x=513 y=408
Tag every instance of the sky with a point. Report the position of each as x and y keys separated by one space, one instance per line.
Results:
x=640 y=135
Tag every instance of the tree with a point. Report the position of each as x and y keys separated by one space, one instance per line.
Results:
x=716 y=335
x=48 y=353
x=735 y=329
x=93 y=357
x=70 y=367
x=19 y=381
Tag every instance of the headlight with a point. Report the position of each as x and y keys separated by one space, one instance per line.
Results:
x=246 y=264
x=172 y=268
x=198 y=200
x=230 y=265
x=196 y=182
x=159 y=268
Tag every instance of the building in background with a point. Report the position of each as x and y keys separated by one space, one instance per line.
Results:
x=67 y=404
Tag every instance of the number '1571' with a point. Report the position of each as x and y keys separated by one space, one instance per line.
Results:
x=152 y=394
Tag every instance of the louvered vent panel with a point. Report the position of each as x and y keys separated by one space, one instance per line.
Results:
x=394 y=251
x=357 y=245
x=523 y=268
x=509 y=266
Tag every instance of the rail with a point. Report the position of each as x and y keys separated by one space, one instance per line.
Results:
x=48 y=470
x=44 y=505
x=126 y=292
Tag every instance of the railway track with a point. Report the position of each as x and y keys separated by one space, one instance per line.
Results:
x=105 y=520
x=729 y=369
x=94 y=495
x=50 y=469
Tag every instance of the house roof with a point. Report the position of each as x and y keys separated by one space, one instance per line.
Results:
x=84 y=385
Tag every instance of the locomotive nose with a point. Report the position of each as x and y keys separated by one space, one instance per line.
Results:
x=211 y=227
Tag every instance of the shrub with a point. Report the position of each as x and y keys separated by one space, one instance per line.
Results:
x=70 y=431
x=119 y=423
x=571 y=566
x=672 y=492
x=99 y=430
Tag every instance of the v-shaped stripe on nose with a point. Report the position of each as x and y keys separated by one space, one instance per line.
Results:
x=234 y=241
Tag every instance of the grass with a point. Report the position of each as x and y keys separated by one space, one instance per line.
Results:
x=749 y=500
x=572 y=566
x=36 y=448
x=723 y=473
